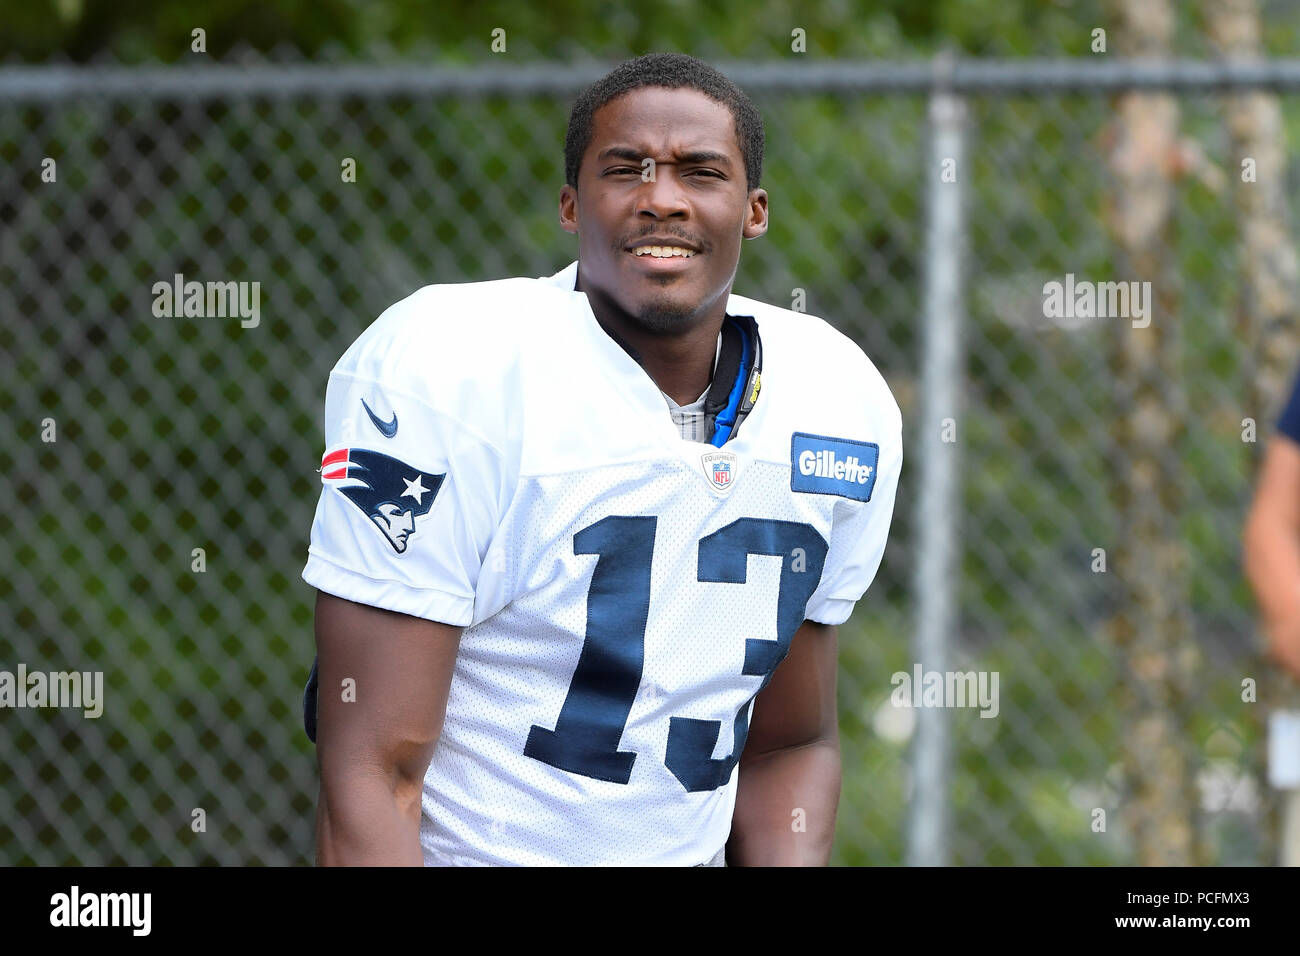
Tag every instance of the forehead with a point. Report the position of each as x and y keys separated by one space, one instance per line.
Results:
x=656 y=119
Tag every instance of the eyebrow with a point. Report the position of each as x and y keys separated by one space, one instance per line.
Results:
x=694 y=156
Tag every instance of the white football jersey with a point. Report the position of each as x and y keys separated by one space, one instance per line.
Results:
x=625 y=593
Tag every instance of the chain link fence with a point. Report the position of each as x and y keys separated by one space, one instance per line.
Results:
x=160 y=469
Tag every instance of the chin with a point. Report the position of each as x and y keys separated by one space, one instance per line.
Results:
x=665 y=315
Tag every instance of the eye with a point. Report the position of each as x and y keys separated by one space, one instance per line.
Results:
x=708 y=172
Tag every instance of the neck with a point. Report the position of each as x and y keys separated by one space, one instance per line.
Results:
x=680 y=364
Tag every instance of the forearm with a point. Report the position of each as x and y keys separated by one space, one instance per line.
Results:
x=1272 y=559
x=364 y=821
x=785 y=807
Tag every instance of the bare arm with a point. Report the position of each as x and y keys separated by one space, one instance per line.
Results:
x=1272 y=551
x=789 y=777
x=374 y=751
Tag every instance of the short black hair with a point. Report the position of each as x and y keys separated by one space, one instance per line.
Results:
x=675 y=71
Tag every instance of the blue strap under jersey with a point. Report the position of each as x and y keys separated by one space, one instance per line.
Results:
x=727 y=417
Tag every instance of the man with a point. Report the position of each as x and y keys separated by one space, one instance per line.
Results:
x=1272 y=540
x=1271 y=554
x=641 y=506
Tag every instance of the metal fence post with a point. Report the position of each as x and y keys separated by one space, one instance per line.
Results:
x=936 y=581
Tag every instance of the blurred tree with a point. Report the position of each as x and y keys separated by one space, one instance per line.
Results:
x=1150 y=626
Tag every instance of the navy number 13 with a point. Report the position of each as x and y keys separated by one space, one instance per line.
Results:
x=605 y=682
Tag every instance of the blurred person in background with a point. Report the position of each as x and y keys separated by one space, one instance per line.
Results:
x=1272 y=540
x=1271 y=555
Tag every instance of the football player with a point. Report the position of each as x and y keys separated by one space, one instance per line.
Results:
x=584 y=541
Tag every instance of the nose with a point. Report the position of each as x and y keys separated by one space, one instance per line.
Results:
x=662 y=197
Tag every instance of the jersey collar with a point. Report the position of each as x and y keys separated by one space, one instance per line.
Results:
x=738 y=357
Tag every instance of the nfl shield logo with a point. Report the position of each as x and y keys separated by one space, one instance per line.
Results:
x=719 y=468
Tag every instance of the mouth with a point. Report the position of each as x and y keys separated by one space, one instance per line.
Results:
x=662 y=257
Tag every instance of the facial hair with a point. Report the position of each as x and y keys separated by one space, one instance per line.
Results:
x=664 y=315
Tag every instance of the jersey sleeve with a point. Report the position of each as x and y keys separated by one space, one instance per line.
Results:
x=412 y=493
x=858 y=533
x=1289 y=422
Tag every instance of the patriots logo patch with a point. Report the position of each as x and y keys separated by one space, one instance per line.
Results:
x=391 y=493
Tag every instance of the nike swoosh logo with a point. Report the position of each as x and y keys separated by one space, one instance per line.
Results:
x=387 y=429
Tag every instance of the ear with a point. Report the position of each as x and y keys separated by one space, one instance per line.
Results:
x=568 y=208
x=756 y=215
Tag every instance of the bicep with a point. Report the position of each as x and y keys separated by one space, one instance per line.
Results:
x=384 y=681
x=798 y=705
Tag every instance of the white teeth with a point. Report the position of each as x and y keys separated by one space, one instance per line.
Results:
x=663 y=252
